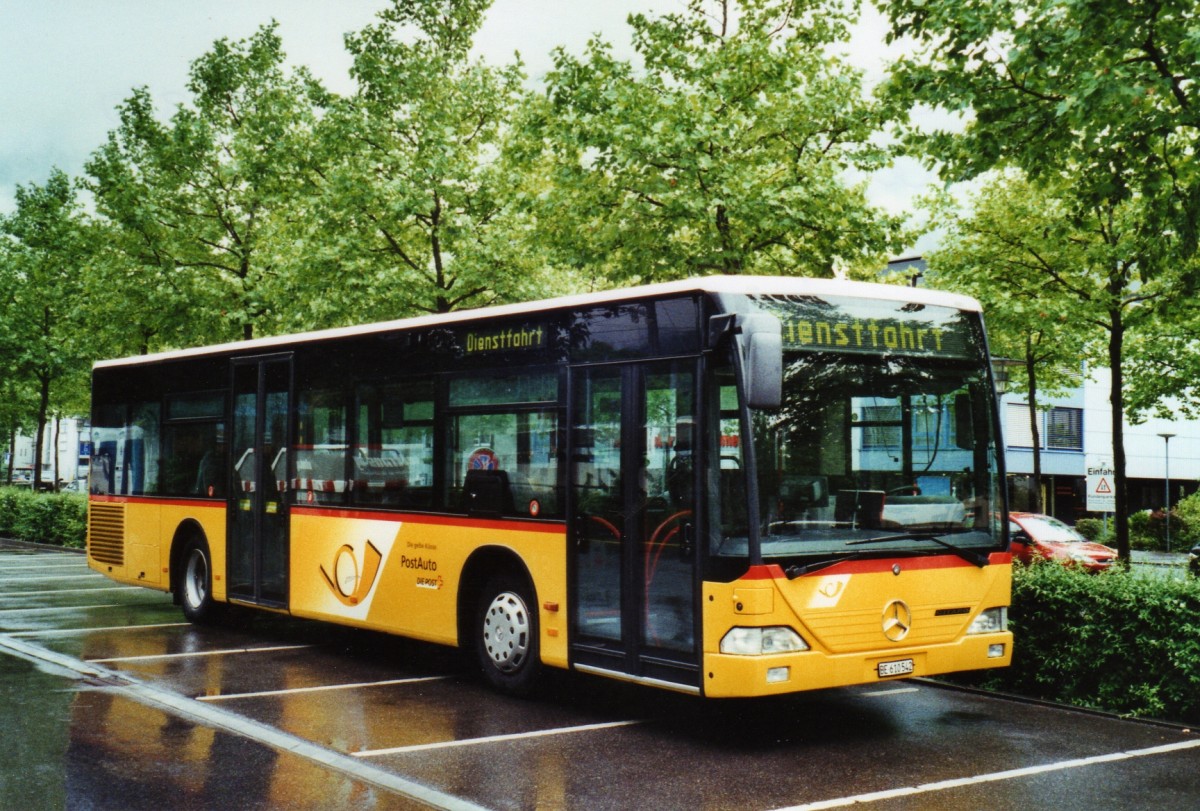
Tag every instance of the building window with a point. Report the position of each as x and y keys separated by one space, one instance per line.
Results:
x=1059 y=428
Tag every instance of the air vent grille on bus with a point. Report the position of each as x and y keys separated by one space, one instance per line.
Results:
x=106 y=533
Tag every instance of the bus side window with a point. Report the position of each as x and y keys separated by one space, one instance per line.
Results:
x=393 y=445
x=320 y=474
x=506 y=424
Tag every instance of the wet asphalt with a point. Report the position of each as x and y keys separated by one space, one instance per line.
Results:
x=108 y=700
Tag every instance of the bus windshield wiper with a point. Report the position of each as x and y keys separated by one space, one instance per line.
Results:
x=797 y=570
x=969 y=555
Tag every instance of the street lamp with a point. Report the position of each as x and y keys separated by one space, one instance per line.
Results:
x=1167 y=482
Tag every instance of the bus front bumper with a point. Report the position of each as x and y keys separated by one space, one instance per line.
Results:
x=737 y=676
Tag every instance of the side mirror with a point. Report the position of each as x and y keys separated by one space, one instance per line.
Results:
x=761 y=343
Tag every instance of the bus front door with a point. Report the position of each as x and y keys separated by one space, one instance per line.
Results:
x=633 y=493
x=257 y=561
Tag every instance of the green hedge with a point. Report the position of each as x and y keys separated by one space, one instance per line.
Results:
x=52 y=518
x=1120 y=641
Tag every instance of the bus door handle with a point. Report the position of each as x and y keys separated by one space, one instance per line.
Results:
x=687 y=540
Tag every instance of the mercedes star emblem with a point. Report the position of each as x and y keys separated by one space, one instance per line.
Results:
x=897 y=620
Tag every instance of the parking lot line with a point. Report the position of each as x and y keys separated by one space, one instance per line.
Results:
x=41 y=567
x=45 y=592
x=893 y=692
x=60 y=608
x=53 y=578
x=73 y=631
x=196 y=654
x=517 y=736
x=319 y=688
x=1010 y=774
x=216 y=718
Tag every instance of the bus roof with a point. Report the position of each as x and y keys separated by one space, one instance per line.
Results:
x=729 y=285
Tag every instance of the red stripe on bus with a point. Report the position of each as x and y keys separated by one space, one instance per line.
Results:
x=770 y=571
x=170 y=502
x=773 y=571
x=877 y=565
x=435 y=520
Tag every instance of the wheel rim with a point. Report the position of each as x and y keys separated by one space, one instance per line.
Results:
x=195 y=579
x=506 y=629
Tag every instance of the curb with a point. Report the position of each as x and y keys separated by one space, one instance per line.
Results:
x=13 y=542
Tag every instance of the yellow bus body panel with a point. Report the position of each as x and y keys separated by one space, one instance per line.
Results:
x=402 y=574
x=147 y=528
x=841 y=613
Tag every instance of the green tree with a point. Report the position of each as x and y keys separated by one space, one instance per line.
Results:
x=724 y=151
x=1013 y=247
x=42 y=258
x=416 y=209
x=1094 y=100
x=198 y=202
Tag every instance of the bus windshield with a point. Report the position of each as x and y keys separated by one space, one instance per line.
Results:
x=884 y=444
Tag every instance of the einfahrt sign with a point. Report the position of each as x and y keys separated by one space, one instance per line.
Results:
x=1101 y=488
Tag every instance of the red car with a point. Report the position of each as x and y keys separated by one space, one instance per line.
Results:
x=1044 y=537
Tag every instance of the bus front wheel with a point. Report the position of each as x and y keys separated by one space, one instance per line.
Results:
x=506 y=640
x=195 y=583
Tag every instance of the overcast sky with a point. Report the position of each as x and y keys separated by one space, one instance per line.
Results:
x=65 y=65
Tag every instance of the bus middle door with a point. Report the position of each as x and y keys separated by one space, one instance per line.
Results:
x=257 y=563
x=633 y=494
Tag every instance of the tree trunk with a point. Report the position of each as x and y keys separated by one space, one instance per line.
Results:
x=55 y=474
x=39 y=442
x=12 y=454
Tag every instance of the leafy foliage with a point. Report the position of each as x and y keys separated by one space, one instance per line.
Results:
x=416 y=211
x=1100 y=90
x=59 y=519
x=1117 y=641
x=1092 y=101
x=1093 y=529
x=197 y=204
x=723 y=152
x=1017 y=251
x=44 y=343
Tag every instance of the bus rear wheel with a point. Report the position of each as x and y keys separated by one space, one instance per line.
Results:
x=195 y=583
x=506 y=642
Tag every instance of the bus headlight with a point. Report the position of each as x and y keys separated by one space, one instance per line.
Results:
x=762 y=641
x=991 y=621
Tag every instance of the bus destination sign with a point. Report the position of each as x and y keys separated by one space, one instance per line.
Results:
x=505 y=340
x=872 y=327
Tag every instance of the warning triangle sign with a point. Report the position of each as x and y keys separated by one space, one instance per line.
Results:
x=1103 y=487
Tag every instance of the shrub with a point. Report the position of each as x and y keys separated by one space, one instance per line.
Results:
x=1185 y=522
x=51 y=518
x=1094 y=529
x=1118 y=641
x=1146 y=531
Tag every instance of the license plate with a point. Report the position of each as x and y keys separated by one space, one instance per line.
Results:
x=903 y=667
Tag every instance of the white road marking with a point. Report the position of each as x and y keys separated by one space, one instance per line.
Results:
x=195 y=654
x=73 y=631
x=1011 y=774
x=43 y=567
x=54 y=578
x=319 y=688
x=46 y=592
x=217 y=718
x=61 y=608
x=897 y=691
x=518 y=736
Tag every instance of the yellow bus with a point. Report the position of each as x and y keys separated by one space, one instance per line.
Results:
x=725 y=486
